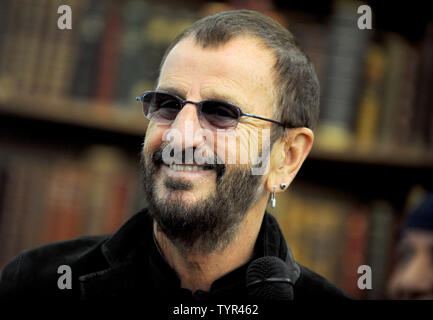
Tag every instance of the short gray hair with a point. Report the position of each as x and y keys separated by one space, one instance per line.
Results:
x=297 y=88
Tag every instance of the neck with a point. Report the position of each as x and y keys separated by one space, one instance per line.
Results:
x=198 y=271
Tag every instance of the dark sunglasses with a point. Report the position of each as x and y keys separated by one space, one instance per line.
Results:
x=163 y=107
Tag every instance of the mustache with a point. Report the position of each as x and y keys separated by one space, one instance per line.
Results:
x=209 y=161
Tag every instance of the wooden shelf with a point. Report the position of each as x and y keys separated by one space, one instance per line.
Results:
x=130 y=121
x=114 y=118
x=401 y=157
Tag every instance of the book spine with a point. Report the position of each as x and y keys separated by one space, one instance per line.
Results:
x=12 y=71
x=64 y=43
x=103 y=166
x=312 y=39
x=422 y=125
x=5 y=186
x=14 y=209
x=65 y=206
x=89 y=49
x=406 y=101
x=326 y=236
x=354 y=250
x=45 y=50
x=5 y=21
x=107 y=70
x=135 y=15
x=346 y=55
x=395 y=46
x=379 y=247
x=367 y=120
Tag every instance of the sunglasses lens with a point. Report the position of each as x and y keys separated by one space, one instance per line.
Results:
x=160 y=107
x=163 y=108
x=220 y=115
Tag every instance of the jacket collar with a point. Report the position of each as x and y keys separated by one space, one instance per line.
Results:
x=129 y=240
x=123 y=255
x=126 y=254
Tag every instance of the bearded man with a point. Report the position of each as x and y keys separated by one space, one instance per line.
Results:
x=230 y=124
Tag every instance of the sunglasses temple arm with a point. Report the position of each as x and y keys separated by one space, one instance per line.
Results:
x=266 y=119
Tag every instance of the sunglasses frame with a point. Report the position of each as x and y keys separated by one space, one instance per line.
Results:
x=200 y=104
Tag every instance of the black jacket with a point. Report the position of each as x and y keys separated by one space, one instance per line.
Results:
x=129 y=264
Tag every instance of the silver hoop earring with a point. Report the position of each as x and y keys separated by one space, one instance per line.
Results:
x=273 y=201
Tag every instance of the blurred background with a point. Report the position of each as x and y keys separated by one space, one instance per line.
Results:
x=71 y=130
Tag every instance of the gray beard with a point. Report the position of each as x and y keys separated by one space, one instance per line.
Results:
x=210 y=224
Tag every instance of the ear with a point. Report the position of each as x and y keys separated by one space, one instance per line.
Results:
x=287 y=156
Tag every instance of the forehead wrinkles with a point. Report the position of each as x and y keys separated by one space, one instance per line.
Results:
x=241 y=67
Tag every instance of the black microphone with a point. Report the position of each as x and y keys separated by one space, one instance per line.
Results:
x=270 y=279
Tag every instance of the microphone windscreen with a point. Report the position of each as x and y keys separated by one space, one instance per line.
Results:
x=269 y=278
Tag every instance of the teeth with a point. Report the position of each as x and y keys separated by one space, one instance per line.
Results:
x=178 y=167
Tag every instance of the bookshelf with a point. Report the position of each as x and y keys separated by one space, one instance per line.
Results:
x=80 y=130
x=128 y=121
x=123 y=120
x=404 y=157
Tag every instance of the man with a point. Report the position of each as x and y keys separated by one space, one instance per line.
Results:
x=232 y=74
x=413 y=274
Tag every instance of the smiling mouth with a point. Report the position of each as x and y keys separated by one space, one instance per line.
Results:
x=186 y=167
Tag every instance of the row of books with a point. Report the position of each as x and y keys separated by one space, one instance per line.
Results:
x=48 y=195
x=375 y=85
x=334 y=235
x=110 y=55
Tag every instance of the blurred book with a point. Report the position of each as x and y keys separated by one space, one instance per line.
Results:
x=49 y=196
x=108 y=62
x=90 y=35
x=422 y=128
x=64 y=209
x=380 y=238
x=347 y=46
x=354 y=249
x=367 y=122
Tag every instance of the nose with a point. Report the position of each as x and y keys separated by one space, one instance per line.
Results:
x=187 y=123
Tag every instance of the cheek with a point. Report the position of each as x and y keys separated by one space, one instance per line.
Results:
x=228 y=148
x=153 y=138
x=241 y=148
